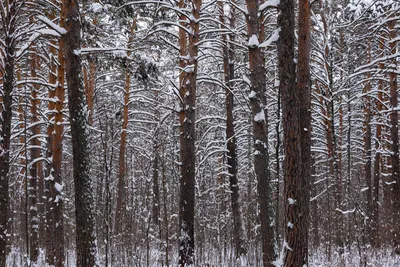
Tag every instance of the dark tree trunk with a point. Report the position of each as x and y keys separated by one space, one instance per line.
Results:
x=54 y=214
x=304 y=91
x=156 y=186
x=187 y=83
x=56 y=184
x=375 y=242
x=229 y=75
x=295 y=103
x=121 y=190
x=85 y=239
x=5 y=133
x=367 y=156
x=394 y=134
x=33 y=171
x=260 y=128
x=49 y=227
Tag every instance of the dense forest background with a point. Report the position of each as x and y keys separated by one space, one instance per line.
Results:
x=209 y=133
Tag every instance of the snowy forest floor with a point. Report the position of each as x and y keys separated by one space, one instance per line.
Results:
x=318 y=258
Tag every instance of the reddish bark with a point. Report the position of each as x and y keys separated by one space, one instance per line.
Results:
x=119 y=216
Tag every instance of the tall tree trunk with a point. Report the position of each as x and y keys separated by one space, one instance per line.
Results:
x=331 y=136
x=49 y=227
x=91 y=87
x=187 y=118
x=156 y=186
x=394 y=134
x=85 y=239
x=56 y=184
x=156 y=154
x=260 y=128
x=367 y=138
x=375 y=242
x=304 y=91
x=229 y=75
x=165 y=205
x=278 y=171
x=22 y=117
x=33 y=170
x=53 y=184
x=5 y=119
x=349 y=173
x=119 y=214
x=297 y=150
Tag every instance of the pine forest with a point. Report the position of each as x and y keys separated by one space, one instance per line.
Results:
x=215 y=133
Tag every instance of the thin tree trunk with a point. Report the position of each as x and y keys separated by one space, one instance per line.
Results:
x=91 y=87
x=156 y=219
x=367 y=130
x=229 y=75
x=119 y=215
x=49 y=227
x=349 y=173
x=56 y=185
x=375 y=242
x=33 y=170
x=156 y=186
x=278 y=171
x=85 y=239
x=22 y=106
x=165 y=191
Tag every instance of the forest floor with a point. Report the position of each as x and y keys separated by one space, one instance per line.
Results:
x=381 y=258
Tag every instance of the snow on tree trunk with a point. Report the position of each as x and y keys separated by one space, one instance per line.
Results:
x=121 y=194
x=304 y=91
x=33 y=170
x=187 y=116
x=296 y=125
x=5 y=119
x=394 y=134
x=86 y=250
x=257 y=99
x=229 y=75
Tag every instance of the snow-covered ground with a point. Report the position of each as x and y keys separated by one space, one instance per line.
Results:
x=382 y=258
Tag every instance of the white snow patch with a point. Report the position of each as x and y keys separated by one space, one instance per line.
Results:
x=260 y=116
x=246 y=80
x=291 y=201
x=252 y=94
x=96 y=7
x=253 y=41
x=272 y=39
x=346 y=211
x=364 y=189
x=267 y=4
x=52 y=25
x=58 y=187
